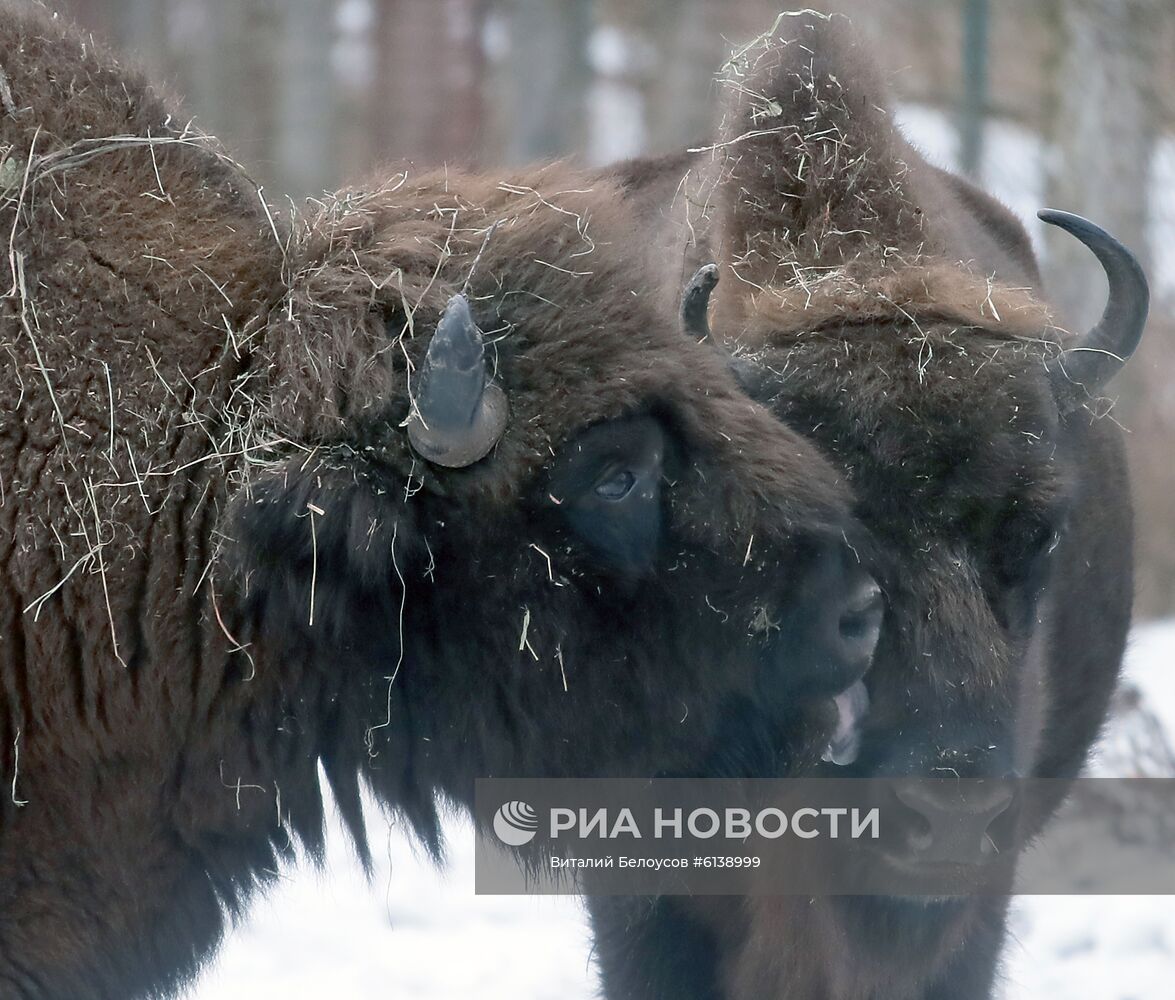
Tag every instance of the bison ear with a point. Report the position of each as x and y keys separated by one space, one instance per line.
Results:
x=317 y=555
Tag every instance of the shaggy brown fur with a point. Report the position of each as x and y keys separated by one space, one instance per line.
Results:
x=891 y=312
x=940 y=410
x=220 y=562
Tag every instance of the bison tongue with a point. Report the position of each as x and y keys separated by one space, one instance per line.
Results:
x=851 y=705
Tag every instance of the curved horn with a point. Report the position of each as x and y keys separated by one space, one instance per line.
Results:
x=458 y=417
x=1084 y=368
x=695 y=306
x=695 y=302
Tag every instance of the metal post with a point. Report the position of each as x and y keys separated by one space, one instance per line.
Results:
x=976 y=23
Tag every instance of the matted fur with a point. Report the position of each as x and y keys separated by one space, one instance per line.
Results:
x=222 y=566
x=898 y=314
x=892 y=313
x=931 y=294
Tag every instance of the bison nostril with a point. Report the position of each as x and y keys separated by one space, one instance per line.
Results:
x=860 y=622
x=955 y=821
x=837 y=624
x=919 y=833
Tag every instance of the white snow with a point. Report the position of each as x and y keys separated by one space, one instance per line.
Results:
x=1103 y=947
x=613 y=51
x=1150 y=663
x=616 y=120
x=413 y=932
x=1091 y=948
x=420 y=934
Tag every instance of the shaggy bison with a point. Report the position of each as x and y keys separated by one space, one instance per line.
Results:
x=421 y=487
x=890 y=312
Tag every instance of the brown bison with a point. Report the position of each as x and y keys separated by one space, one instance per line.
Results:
x=422 y=487
x=889 y=311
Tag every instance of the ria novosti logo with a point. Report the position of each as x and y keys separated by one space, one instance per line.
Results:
x=516 y=823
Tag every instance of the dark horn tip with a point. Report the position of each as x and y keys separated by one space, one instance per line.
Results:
x=1119 y=261
x=1096 y=357
x=1054 y=216
x=695 y=301
x=703 y=281
x=458 y=307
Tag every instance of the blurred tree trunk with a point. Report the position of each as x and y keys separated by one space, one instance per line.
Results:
x=143 y=33
x=1106 y=116
x=624 y=62
x=670 y=51
x=353 y=65
x=225 y=62
x=250 y=80
x=428 y=82
x=1103 y=136
x=542 y=80
x=973 y=107
x=692 y=51
x=97 y=17
x=192 y=48
x=305 y=102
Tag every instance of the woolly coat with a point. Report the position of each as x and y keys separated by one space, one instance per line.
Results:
x=222 y=565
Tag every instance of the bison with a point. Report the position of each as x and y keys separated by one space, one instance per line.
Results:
x=892 y=313
x=420 y=485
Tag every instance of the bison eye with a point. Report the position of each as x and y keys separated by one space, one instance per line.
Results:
x=605 y=489
x=1021 y=566
x=1025 y=540
x=617 y=486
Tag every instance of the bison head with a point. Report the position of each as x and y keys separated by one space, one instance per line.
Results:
x=971 y=465
x=518 y=524
x=875 y=304
x=868 y=313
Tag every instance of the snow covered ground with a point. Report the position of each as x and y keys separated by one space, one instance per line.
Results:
x=414 y=933
x=419 y=934
x=1104 y=947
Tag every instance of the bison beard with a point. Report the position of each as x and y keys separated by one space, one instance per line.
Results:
x=222 y=562
x=882 y=304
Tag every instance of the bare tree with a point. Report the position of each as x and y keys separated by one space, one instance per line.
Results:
x=1107 y=114
x=1103 y=133
x=543 y=74
x=429 y=80
x=305 y=102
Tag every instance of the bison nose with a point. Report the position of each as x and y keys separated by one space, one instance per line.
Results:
x=829 y=632
x=953 y=821
x=853 y=626
x=839 y=615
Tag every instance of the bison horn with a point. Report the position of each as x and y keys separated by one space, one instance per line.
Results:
x=695 y=307
x=695 y=302
x=1084 y=368
x=459 y=416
